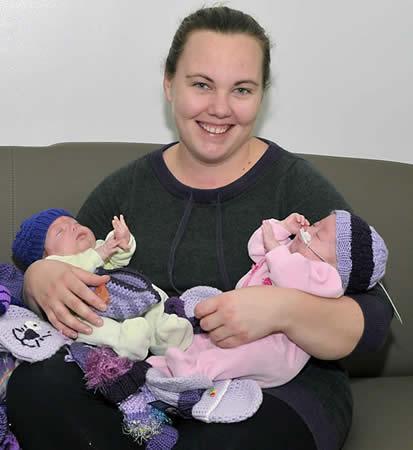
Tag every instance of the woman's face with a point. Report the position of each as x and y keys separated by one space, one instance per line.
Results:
x=216 y=93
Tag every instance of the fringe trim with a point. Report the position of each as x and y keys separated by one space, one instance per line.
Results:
x=141 y=431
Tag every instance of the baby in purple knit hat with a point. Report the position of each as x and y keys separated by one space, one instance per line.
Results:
x=134 y=321
x=340 y=253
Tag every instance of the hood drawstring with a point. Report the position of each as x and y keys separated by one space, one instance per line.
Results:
x=218 y=239
x=177 y=239
x=220 y=246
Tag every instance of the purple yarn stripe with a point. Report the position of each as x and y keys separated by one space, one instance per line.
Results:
x=174 y=305
x=131 y=294
x=343 y=246
x=3 y=423
x=10 y=442
x=380 y=255
x=4 y=293
x=164 y=440
x=4 y=299
x=12 y=278
x=132 y=278
x=136 y=408
x=126 y=303
x=187 y=400
x=79 y=353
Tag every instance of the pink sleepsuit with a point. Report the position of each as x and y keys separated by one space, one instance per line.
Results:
x=274 y=359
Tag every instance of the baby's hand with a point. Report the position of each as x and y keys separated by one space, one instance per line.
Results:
x=108 y=248
x=294 y=222
x=268 y=236
x=121 y=232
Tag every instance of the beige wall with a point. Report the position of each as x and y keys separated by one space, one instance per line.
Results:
x=75 y=70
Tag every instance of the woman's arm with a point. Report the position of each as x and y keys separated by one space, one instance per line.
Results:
x=324 y=328
x=332 y=329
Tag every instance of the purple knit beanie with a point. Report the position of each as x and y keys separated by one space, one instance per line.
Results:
x=28 y=245
x=361 y=252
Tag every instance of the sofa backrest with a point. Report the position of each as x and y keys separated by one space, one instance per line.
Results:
x=61 y=175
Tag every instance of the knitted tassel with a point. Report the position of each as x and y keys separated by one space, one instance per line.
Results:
x=103 y=366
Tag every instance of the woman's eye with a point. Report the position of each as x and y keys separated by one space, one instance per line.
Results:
x=200 y=85
x=243 y=90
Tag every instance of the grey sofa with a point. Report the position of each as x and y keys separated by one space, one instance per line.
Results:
x=33 y=178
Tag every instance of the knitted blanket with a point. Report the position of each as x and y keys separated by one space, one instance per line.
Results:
x=11 y=285
x=150 y=400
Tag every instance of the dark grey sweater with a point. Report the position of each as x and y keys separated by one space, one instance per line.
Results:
x=187 y=237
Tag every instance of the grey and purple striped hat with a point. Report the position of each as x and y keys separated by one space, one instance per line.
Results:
x=361 y=252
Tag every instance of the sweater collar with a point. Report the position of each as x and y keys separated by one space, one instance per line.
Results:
x=178 y=189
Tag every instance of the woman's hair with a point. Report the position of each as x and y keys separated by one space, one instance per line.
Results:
x=220 y=19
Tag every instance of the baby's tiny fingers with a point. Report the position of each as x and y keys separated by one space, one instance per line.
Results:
x=303 y=221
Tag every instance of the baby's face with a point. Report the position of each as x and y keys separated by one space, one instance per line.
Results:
x=323 y=241
x=66 y=236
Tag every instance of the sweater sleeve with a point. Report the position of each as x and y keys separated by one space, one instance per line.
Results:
x=107 y=200
x=378 y=314
x=305 y=190
x=293 y=270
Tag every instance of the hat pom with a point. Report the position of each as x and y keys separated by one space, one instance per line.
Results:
x=28 y=245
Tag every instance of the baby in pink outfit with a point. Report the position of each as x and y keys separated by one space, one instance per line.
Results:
x=340 y=253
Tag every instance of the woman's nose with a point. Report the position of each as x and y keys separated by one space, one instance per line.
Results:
x=219 y=105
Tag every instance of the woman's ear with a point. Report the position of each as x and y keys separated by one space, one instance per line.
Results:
x=167 y=87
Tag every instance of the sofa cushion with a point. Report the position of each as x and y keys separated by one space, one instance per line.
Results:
x=382 y=414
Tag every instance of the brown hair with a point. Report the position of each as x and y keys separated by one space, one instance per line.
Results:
x=220 y=19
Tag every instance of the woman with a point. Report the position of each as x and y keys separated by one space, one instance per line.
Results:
x=192 y=206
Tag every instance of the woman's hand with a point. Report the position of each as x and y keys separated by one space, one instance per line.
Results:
x=241 y=316
x=61 y=291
